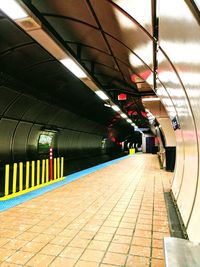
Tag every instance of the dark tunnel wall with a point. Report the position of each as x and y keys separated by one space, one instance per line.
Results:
x=23 y=119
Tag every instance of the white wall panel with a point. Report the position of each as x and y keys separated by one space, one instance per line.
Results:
x=179 y=70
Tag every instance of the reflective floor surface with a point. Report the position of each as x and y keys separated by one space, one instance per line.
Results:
x=114 y=217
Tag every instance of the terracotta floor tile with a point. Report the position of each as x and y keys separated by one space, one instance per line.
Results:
x=51 y=249
x=118 y=248
x=6 y=264
x=63 y=262
x=79 y=243
x=160 y=235
x=92 y=255
x=85 y=234
x=136 y=261
x=140 y=251
x=37 y=229
x=86 y=264
x=59 y=240
x=3 y=241
x=106 y=204
x=27 y=236
x=43 y=238
x=157 y=253
x=33 y=246
x=127 y=225
x=146 y=227
x=71 y=252
x=20 y=257
x=122 y=239
x=142 y=233
x=106 y=265
x=115 y=259
x=103 y=237
x=15 y=244
x=68 y=233
x=4 y=253
x=157 y=243
x=141 y=241
x=157 y=263
x=111 y=223
x=124 y=231
x=129 y=220
x=98 y=245
x=40 y=260
x=107 y=229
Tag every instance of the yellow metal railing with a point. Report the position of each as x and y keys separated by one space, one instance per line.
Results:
x=25 y=177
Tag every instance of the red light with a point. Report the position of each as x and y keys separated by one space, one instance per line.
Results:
x=122 y=97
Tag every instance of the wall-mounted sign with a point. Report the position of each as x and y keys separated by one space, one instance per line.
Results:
x=175 y=123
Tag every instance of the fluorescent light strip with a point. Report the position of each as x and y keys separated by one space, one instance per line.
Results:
x=150 y=99
x=71 y=65
x=123 y=115
x=13 y=9
x=115 y=108
x=102 y=95
x=128 y=120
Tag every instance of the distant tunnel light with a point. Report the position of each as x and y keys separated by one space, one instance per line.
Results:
x=115 y=108
x=128 y=120
x=13 y=9
x=102 y=95
x=150 y=99
x=123 y=115
x=73 y=67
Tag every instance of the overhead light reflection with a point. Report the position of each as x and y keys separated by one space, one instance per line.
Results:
x=101 y=95
x=73 y=67
x=115 y=108
x=123 y=115
x=13 y=9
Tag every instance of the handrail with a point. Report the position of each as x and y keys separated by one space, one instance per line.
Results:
x=21 y=178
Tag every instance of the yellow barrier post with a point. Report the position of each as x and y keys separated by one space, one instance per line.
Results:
x=38 y=172
x=7 y=169
x=20 y=176
x=27 y=174
x=58 y=167
x=62 y=167
x=32 y=173
x=132 y=151
x=54 y=169
x=43 y=170
x=47 y=170
x=14 y=178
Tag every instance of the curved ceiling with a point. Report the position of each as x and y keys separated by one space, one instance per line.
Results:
x=114 y=48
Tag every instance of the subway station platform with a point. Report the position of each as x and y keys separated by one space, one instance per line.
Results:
x=115 y=216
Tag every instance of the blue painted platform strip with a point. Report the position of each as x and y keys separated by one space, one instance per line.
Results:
x=7 y=204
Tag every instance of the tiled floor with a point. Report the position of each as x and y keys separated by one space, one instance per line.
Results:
x=113 y=217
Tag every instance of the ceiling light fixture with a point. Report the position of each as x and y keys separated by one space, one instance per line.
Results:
x=71 y=65
x=13 y=9
x=115 y=108
x=123 y=115
x=150 y=99
x=102 y=95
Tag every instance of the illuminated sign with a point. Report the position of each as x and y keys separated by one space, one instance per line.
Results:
x=175 y=123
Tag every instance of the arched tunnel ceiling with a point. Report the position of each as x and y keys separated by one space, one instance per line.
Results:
x=116 y=49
